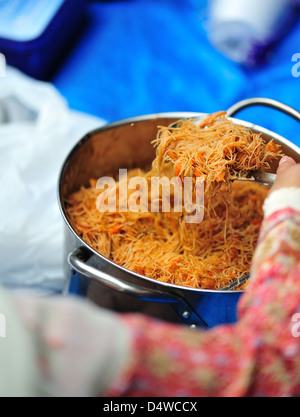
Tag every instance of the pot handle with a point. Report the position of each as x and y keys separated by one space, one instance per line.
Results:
x=77 y=260
x=261 y=101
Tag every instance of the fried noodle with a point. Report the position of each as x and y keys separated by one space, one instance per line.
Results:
x=162 y=245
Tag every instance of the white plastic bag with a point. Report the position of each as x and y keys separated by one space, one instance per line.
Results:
x=37 y=130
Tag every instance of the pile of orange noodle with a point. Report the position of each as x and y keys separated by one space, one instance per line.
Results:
x=162 y=245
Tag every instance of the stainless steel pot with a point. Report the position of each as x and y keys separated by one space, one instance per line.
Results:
x=126 y=144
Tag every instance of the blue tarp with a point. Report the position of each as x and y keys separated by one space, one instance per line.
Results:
x=137 y=57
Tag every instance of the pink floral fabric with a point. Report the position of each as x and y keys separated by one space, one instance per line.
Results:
x=257 y=356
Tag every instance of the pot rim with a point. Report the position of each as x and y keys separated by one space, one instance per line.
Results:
x=165 y=115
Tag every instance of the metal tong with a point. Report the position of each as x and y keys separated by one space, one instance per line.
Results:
x=264 y=178
x=235 y=284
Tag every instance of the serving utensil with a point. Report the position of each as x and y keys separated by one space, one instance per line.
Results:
x=264 y=178
x=236 y=283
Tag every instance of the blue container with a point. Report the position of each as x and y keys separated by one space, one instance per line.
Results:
x=34 y=34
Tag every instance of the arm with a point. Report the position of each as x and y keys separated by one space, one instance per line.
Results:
x=76 y=349
x=59 y=346
x=257 y=356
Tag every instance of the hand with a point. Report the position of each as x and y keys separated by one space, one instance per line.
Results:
x=288 y=174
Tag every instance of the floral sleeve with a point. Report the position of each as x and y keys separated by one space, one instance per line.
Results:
x=63 y=347
x=257 y=356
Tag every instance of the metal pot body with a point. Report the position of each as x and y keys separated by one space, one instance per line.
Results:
x=127 y=144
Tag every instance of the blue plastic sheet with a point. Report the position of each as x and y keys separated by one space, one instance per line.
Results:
x=146 y=56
